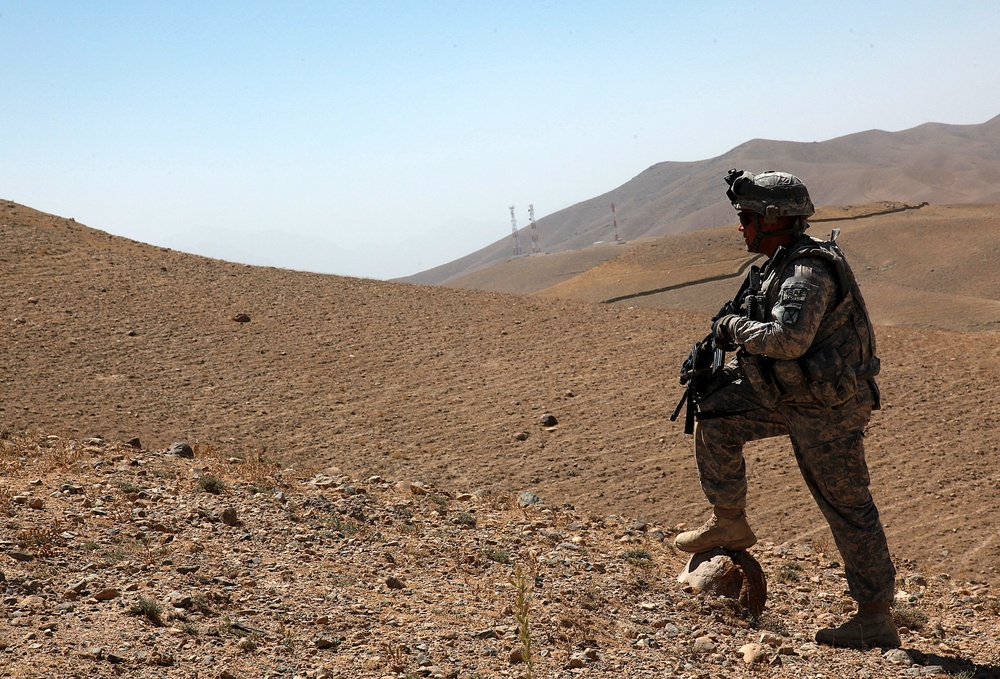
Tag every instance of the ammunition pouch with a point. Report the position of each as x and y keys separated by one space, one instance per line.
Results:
x=822 y=376
x=757 y=371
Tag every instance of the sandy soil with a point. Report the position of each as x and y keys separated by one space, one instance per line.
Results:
x=104 y=336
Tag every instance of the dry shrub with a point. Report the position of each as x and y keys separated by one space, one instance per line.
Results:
x=6 y=502
x=909 y=616
x=63 y=454
x=149 y=609
x=592 y=598
x=261 y=476
x=40 y=540
x=500 y=501
x=211 y=484
x=51 y=452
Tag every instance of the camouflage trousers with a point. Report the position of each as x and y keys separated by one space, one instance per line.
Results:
x=829 y=448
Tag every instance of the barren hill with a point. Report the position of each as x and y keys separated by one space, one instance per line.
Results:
x=104 y=336
x=935 y=163
x=919 y=266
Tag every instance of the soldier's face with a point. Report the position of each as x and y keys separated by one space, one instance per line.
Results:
x=750 y=228
x=755 y=228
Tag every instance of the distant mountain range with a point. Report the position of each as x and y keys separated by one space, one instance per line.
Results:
x=934 y=163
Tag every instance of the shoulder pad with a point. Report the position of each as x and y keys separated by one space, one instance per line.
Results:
x=831 y=252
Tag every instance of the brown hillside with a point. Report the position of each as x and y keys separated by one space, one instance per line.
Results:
x=934 y=163
x=111 y=337
x=930 y=266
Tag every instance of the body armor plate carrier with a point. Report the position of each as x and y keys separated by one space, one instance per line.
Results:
x=842 y=354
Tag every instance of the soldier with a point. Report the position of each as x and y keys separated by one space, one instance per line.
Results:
x=805 y=369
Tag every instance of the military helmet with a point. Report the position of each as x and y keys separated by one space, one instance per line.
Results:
x=772 y=194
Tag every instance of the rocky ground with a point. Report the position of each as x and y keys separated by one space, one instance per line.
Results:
x=121 y=561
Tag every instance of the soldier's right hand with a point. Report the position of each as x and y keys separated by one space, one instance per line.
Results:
x=722 y=332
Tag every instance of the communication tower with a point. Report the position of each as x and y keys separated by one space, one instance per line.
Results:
x=535 y=249
x=513 y=228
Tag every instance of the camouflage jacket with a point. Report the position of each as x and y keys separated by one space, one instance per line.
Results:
x=808 y=326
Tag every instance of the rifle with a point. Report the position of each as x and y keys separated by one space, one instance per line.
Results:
x=707 y=358
x=704 y=361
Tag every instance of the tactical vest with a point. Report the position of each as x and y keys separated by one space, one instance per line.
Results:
x=842 y=354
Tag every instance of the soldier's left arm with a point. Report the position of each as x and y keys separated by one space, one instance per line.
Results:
x=807 y=291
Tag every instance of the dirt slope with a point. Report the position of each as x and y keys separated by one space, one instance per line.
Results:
x=106 y=336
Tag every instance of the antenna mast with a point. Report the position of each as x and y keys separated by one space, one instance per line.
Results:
x=535 y=249
x=513 y=229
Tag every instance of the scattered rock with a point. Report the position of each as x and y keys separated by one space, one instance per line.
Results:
x=712 y=572
x=753 y=654
x=771 y=639
x=330 y=594
x=106 y=594
x=703 y=644
x=898 y=656
x=92 y=653
x=230 y=518
x=161 y=658
x=178 y=600
x=181 y=449
x=549 y=420
x=527 y=499
x=324 y=642
x=242 y=318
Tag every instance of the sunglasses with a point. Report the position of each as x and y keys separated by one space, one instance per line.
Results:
x=746 y=218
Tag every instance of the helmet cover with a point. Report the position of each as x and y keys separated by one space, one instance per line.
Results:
x=772 y=194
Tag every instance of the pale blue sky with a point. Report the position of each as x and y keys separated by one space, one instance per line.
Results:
x=382 y=138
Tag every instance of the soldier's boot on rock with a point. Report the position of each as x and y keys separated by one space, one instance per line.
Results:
x=872 y=626
x=728 y=529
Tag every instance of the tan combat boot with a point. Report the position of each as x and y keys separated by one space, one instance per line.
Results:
x=728 y=529
x=871 y=626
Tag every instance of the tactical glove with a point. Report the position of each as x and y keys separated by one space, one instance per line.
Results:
x=722 y=332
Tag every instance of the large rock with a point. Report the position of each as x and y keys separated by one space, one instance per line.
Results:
x=736 y=575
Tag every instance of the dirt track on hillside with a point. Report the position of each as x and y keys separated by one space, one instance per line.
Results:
x=106 y=336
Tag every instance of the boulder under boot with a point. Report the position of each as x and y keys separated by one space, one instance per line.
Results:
x=872 y=626
x=728 y=529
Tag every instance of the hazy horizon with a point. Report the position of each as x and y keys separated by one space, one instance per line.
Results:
x=393 y=138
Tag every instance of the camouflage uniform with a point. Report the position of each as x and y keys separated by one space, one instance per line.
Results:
x=810 y=332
